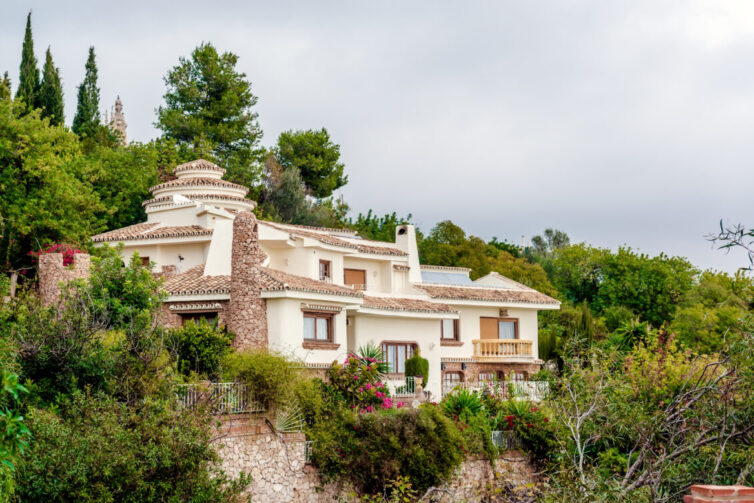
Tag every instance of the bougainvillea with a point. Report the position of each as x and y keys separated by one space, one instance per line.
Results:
x=68 y=252
x=357 y=381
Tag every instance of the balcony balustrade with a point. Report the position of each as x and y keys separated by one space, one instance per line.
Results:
x=500 y=349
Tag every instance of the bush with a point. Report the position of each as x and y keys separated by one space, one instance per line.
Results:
x=357 y=382
x=99 y=450
x=269 y=376
x=372 y=449
x=462 y=402
x=530 y=425
x=417 y=366
x=199 y=348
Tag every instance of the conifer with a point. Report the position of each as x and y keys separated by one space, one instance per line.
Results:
x=28 y=80
x=87 y=119
x=51 y=92
x=5 y=87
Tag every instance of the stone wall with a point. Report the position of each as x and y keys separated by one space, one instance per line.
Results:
x=53 y=274
x=719 y=494
x=279 y=471
x=247 y=311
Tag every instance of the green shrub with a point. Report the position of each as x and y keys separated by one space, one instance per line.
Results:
x=269 y=376
x=372 y=449
x=357 y=382
x=417 y=366
x=199 y=348
x=531 y=425
x=98 y=450
x=454 y=405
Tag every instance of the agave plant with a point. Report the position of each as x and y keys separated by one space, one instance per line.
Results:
x=462 y=401
x=374 y=352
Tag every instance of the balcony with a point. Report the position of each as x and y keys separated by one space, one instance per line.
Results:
x=493 y=350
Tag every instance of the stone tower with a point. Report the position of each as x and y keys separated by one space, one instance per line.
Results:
x=118 y=120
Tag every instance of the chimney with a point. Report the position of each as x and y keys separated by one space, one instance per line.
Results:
x=53 y=274
x=405 y=239
x=247 y=311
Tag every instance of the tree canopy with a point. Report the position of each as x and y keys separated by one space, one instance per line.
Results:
x=86 y=122
x=28 y=80
x=315 y=156
x=209 y=106
x=51 y=92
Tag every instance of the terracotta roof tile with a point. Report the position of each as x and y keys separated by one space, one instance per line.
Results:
x=198 y=164
x=486 y=294
x=326 y=238
x=274 y=280
x=124 y=233
x=148 y=231
x=198 y=181
x=193 y=282
x=401 y=304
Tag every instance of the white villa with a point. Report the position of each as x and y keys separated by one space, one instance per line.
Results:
x=317 y=293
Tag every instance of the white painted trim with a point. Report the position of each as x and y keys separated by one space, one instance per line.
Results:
x=311 y=296
x=367 y=311
x=202 y=297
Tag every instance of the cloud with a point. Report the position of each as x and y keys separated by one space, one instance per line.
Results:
x=618 y=122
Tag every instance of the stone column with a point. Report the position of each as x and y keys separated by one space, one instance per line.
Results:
x=247 y=311
x=53 y=274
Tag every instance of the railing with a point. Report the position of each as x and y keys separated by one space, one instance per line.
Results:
x=308 y=451
x=403 y=388
x=525 y=390
x=357 y=286
x=501 y=348
x=506 y=440
x=222 y=397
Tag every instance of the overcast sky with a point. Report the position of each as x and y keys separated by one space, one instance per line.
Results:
x=617 y=122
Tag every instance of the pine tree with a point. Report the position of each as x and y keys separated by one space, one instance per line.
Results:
x=28 y=81
x=51 y=92
x=87 y=119
x=5 y=88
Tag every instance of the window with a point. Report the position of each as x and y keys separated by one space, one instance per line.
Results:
x=498 y=328
x=450 y=380
x=356 y=278
x=449 y=329
x=487 y=376
x=396 y=354
x=145 y=261
x=317 y=326
x=198 y=317
x=325 y=268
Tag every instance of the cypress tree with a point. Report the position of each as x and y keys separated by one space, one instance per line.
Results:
x=51 y=92
x=5 y=91
x=87 y=118
x=28 y=81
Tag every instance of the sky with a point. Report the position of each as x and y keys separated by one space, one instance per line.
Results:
x=618 y=122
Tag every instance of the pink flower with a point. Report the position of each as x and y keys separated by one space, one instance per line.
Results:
x=361 y=390
x=387 y=403
x=368 y=386
x=380 y=394
x=355 y=378
x=400 y=404
x=370 y=408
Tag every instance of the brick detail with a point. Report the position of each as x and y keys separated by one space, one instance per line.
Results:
x=53 y=274
x=719 y=494
x=247 y=311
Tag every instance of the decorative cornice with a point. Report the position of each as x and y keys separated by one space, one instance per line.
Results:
x=196 y=307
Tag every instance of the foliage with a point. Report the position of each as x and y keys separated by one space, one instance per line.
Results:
x=417 y=366
x=28 y=80
x=5 y=87
x=43 y=199
x=14 y=435
x=50 y=98
x=399 y=490
x=126 y=295
x=269 y=376
x=371 y=449
x=112 y=452
x=551 y=241
x=530 y=425
x=357 y=383
x=199 y=347
x=462 y=402
x=208 y=106
x=382 y=228
x=315 y=156
x=86 y=122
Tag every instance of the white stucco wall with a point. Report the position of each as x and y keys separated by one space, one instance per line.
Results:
x=167 y=254
x=285 y=332
x=378 y=273
x=425 y=332
x=469 y=328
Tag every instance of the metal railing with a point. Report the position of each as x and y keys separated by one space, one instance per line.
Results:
x=308 y=451
x=403 y=388
x=506 y=440
x=526 y=390
x=222 y=397
x=501 y=348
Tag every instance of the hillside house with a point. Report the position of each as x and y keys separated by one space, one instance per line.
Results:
x=317 y=293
